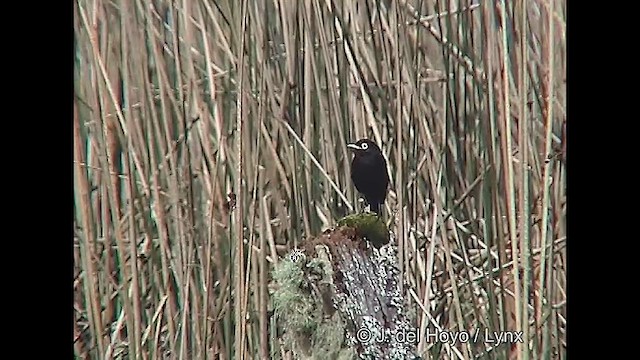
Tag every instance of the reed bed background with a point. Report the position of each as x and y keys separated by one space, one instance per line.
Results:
x=179 y=104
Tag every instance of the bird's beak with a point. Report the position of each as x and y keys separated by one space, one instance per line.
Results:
x=354 y=147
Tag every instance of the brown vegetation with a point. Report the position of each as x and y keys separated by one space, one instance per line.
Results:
x=178 y=104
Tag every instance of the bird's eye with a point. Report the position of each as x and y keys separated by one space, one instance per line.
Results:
x=364 y=146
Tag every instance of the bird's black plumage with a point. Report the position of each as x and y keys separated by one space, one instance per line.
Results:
x=369 y=172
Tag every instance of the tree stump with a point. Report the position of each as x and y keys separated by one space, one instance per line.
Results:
x=339 y=296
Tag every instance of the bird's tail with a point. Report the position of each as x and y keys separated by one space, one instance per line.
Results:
x=375 y=207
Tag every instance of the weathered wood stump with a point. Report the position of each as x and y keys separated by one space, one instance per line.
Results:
x=339 y=297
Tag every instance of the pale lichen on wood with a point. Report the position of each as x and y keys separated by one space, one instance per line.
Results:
x=344 y=271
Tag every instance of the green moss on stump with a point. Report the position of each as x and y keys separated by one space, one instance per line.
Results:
x=369 y=226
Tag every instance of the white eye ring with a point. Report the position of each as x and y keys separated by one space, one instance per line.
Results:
x=364 y=146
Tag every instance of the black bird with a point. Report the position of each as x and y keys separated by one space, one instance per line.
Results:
x=369 y=172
